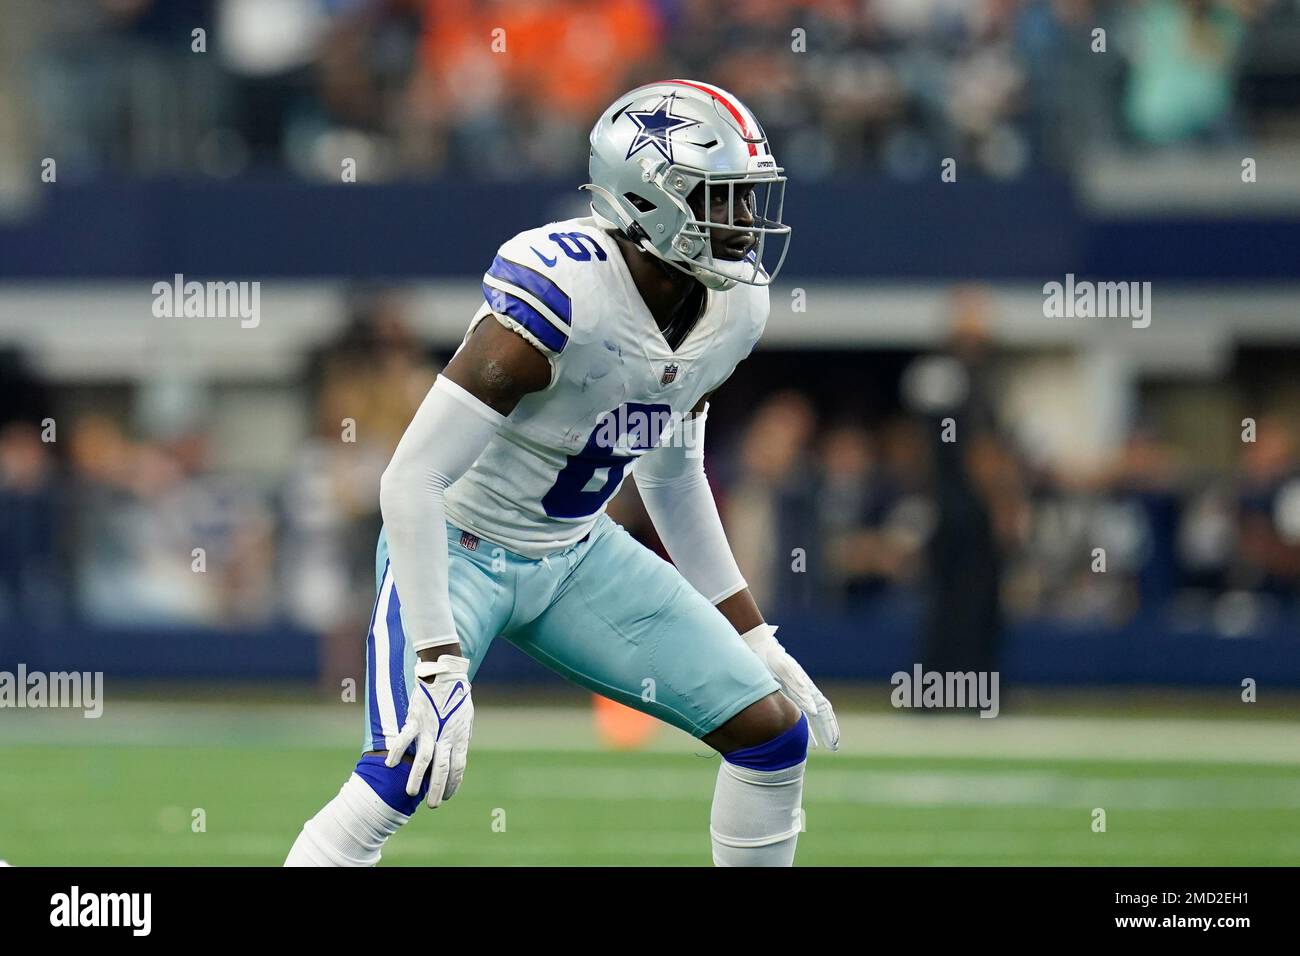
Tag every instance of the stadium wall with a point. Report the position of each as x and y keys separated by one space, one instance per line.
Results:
x=985 y=230
x=863 y=647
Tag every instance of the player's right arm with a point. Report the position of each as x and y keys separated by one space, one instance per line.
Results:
x=498 y=367
x=494 y=368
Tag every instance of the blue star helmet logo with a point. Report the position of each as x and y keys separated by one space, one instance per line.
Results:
x=655 y=128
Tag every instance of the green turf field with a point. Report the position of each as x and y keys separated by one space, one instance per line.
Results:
x=540 y=790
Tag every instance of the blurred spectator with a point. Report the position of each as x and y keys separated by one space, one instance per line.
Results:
x=868 y=549
x=1143 y=514
x=974 y=487
x=771 y=507
x=1183 y=56
x=269 y=49
x=1268 y=511
x=32 y=582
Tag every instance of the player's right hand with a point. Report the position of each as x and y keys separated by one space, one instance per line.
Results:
x=439 y=721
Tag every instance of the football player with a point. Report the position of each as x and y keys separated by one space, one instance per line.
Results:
x=594 y=354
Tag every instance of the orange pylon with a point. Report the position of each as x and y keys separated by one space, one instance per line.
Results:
x=621 y=727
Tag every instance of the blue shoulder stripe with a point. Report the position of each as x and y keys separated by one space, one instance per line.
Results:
x=503 y=303
x=530 y=280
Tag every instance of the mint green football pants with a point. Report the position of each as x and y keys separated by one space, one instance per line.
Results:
x=607 y=613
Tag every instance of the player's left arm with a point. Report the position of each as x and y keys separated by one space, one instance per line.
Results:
x=676 y=494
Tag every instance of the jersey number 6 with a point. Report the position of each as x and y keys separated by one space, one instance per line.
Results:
x=589 y=477
x=574 y=246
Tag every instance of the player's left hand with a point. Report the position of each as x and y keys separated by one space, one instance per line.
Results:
x=439 y=721
x=796 y=684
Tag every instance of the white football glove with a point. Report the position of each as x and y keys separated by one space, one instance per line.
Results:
x=796 y=684
x=440 y=721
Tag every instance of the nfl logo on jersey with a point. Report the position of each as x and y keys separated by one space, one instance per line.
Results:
x=670 y=373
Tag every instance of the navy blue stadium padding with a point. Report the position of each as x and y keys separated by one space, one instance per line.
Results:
x=871 y=644
x=1027 y=229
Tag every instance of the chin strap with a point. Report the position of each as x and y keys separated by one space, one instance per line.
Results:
x=637 y=236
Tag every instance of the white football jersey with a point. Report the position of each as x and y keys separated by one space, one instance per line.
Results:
x=564 y=451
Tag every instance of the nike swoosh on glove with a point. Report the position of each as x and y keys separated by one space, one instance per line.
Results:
x=440 y=722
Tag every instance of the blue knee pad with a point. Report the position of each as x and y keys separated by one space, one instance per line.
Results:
x=778 y=753
x=390 y=783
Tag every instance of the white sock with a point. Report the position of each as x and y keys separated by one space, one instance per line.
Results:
x=757 y=815
x=350 y=830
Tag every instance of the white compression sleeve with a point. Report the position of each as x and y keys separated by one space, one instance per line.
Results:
x=757 y=815
x=679 y=501
x=350 y=830
x=447 y=435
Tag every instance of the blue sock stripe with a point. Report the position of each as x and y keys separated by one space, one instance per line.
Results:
x=390 y=783
x=778 y=753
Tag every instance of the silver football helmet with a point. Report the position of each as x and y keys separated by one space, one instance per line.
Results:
x=655 y=145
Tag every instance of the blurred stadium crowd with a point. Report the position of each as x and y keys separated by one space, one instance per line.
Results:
x=415 y=87
x=101 y=524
